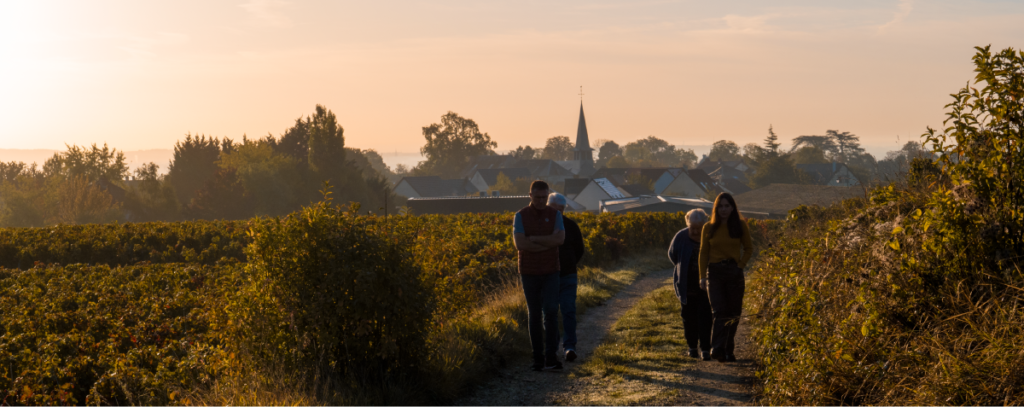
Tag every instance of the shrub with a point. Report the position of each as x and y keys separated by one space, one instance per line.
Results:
x=329 y=291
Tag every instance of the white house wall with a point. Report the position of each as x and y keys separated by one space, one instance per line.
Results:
x=843 y=178
x=663 y=182
x=591 y=196
x=683 y=186
x=404 y=189
x=478 y=182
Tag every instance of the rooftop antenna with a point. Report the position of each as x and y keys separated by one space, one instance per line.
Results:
x=581 y=93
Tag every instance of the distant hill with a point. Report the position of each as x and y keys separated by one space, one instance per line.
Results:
x=161 y=157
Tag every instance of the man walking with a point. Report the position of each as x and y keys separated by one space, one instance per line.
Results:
x=569 y=254
x=537 y=232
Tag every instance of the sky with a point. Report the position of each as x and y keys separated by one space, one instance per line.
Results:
x=140 y=75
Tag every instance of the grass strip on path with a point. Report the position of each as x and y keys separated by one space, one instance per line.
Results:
x=643 y=361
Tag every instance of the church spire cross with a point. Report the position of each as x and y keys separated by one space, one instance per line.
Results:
x=583 y=153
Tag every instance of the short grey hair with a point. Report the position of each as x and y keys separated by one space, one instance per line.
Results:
x=696 y=216
x=556 y=199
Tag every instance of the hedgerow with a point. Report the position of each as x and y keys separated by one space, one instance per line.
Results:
x=915 y=295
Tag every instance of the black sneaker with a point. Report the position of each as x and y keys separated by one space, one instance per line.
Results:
x=570 y=355
x=552 y=365
x=537 y=366
x=720 y=357
x=693 y=353
x=730 y=358
x=705 y=355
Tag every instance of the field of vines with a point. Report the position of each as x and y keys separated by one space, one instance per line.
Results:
x=157 y=313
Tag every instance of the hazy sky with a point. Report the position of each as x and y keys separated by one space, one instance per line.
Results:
x=139 y=75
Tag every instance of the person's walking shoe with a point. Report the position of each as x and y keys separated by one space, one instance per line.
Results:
x=705 y=355
x=719 y=356
x=552 y=365
x=693 y=353
x=570 y=355
x=730 y=358
x=537 y=366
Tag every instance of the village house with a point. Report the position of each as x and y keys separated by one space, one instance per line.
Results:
x=653 y=203
x=660 y=178
x=834 y=174
x=548 y=170
x=573 y=186
x=660 y=203
x=710 y=166
x=484 y=162
x=485 y=179
x=476 y=204
x=433 y=186
x=597 y=190
x=684 y=186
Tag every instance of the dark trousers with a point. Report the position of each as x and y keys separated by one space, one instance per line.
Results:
x=542 y=305
x=725 y=290
x=696 y=315
x=567 y=303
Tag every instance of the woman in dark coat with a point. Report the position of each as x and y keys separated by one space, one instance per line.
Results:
x=696 y=309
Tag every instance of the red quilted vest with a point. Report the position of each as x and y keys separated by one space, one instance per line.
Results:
x=538 y=223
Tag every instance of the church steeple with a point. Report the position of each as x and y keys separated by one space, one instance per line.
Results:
x=583 y=153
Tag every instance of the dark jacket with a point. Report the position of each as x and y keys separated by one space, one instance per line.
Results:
x=539 y=222
x=571 y=251
x=679 y=252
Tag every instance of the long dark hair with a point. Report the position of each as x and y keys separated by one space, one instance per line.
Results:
x=734 y=223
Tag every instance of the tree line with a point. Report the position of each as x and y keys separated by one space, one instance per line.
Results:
x=220 y=178
x=451 y=143
x=208 y=178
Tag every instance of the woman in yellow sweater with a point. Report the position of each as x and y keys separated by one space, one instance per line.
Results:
x=725 y=248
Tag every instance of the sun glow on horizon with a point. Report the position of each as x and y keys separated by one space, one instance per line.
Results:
x=141 y=75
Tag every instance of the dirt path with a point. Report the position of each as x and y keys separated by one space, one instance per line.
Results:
x=701 y=383
x=719 y=384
